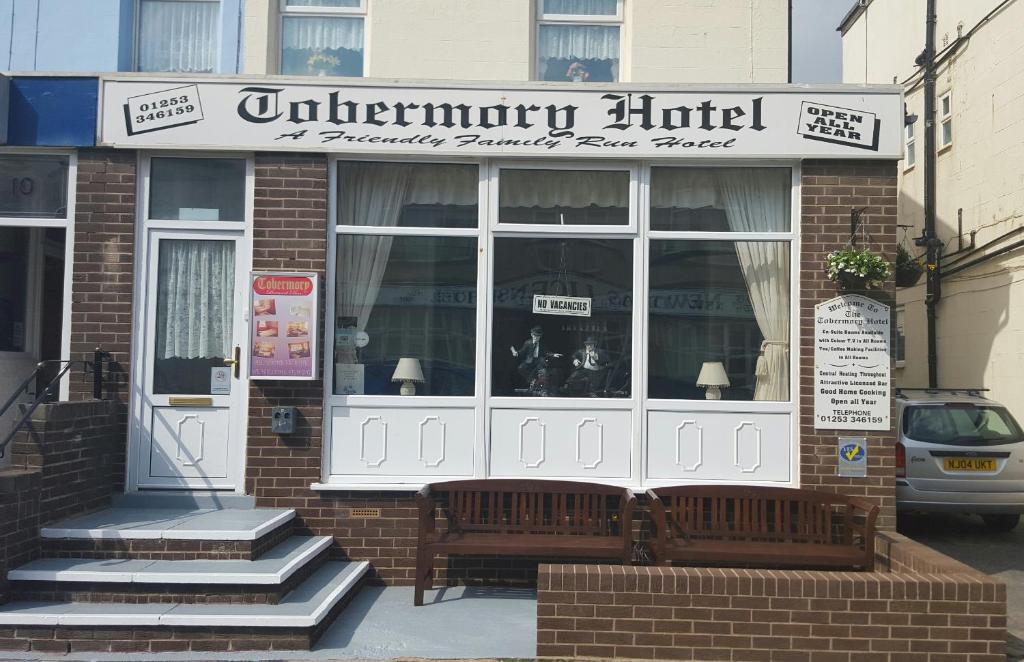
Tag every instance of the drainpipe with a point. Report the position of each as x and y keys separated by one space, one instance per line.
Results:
x=933 y=290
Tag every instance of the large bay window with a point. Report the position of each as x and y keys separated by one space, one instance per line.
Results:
x=579 y=40
x=178 y=35
x=322 y=37
x=578 y=320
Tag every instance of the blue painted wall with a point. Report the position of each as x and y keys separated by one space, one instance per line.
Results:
x=53 y=111
x=89 y=35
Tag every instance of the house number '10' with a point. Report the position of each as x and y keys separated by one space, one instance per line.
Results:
x=22 y=185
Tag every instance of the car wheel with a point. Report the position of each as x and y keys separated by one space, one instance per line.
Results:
x=1001 y=523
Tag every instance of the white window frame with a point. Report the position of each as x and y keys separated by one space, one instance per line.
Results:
x=33 y=312
x=321 y=12
x=945 y=119
x=486 y=232
x=137 y=26
x=910 y=146
x=544 y=18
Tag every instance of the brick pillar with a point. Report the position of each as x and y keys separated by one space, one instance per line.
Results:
x=289 y=234
x=103 y=277
x=830 y=190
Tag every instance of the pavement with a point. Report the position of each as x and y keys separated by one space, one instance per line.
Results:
x=966 y=539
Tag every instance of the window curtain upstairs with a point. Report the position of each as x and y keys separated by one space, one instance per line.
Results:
x=178 y=36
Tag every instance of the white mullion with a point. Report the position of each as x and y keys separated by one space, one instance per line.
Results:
x=484 y=287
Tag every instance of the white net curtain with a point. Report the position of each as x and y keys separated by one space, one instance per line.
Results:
x=593 y=49
x=754 y=200
x=176 y=35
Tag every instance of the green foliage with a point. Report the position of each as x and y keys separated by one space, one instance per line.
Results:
x=854 y=268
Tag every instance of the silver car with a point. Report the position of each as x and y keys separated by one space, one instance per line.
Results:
x=959 y=452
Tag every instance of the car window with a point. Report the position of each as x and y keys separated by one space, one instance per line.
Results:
x=961 y=423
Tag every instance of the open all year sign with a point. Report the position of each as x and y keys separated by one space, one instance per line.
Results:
x=851 y=364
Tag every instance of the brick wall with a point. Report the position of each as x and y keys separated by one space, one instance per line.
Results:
x=830 y=189
x=62 y=464
x=102 y=279
x=951 y=614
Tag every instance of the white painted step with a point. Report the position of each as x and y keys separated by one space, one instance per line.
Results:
x=171 y=524
x=273 y=568
x=304 y=607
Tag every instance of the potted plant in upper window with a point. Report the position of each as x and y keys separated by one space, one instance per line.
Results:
x=857 y=269
x=908 y=268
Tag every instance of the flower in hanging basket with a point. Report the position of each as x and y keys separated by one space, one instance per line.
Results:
x=857 y=269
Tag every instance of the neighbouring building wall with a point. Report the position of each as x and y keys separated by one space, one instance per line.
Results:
x=979 y=180
x=741 y=41
x=91 y=36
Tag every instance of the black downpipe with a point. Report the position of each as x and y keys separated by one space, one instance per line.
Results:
x=931 y=242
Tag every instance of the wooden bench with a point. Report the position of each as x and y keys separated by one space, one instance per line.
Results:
x=761 y=526
x=533 y=518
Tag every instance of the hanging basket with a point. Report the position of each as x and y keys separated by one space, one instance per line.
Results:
x=908 y=270
x=856 y=269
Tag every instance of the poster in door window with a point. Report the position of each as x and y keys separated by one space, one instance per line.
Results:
x=283 y=326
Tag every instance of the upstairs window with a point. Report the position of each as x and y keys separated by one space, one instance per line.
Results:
x=578 y=40
x=911 y=142
x=177 y=35
x=322 y=37
x=946 y=120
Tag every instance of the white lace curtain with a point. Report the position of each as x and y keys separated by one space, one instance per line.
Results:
x=375 y=194
x=754 y=200
x=581 y=7
x=319 y=32
x=195 y=298
x=178 y=36
x=577 y=42
x=563 y=188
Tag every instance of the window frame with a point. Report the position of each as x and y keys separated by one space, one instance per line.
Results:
x=945 y=119
x=483 y=402
x=543 y=18
x=137 y=26
x=33 y=312
x=284 y=11
x=910 y=146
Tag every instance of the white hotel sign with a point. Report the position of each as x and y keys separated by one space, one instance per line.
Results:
x=363 y=118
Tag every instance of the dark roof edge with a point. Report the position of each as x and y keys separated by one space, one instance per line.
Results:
x=858 y=8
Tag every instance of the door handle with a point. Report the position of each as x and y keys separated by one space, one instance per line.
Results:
x=235 y=363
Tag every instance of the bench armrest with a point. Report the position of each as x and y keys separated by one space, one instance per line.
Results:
x=426 y=507
x=659 y=520
x=867 y=530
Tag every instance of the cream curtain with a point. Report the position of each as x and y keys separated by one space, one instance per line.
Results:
x=178 y=36
x=753 y=202
x=577 y=42
x=581 y=7
x=195 y=298
x=563 y=188
x=320 y=32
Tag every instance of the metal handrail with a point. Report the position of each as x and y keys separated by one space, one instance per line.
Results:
x=47 y=392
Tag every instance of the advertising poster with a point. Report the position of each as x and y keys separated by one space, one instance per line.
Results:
x=283 y=326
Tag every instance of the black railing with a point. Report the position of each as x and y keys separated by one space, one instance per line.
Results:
x=49 y=392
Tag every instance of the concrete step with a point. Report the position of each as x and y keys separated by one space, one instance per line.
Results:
x=168 y=533
x=266 y=580
x=296 y=622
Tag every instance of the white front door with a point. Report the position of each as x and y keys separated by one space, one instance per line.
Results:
x=190 y=429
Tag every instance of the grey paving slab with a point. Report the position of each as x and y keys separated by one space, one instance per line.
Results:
x=79 y=570
x=456 y=624
x=123 y=520
x=231 y=523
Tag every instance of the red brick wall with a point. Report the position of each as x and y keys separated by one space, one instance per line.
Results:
x=591 y=611
x=830 y=189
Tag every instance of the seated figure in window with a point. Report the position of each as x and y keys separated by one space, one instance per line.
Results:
x=534 y=368
x=590 y=374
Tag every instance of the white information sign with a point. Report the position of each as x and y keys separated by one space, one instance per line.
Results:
x=629 y=122
x=851 y=364
x=545 y=304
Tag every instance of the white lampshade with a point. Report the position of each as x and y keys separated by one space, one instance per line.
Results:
x=712 y=374
x=408 y=370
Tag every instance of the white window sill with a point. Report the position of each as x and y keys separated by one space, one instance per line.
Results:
x=366 y=487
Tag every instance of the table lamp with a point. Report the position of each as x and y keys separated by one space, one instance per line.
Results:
x=712 y=377
x=408 y=372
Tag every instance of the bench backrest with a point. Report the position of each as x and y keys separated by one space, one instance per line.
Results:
x=758 y=514
x=532 y=506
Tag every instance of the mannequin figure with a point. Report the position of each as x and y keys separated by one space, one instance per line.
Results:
x=591 y=369
x=533 y=357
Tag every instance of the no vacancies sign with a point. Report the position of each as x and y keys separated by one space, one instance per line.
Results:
x=264 y=114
